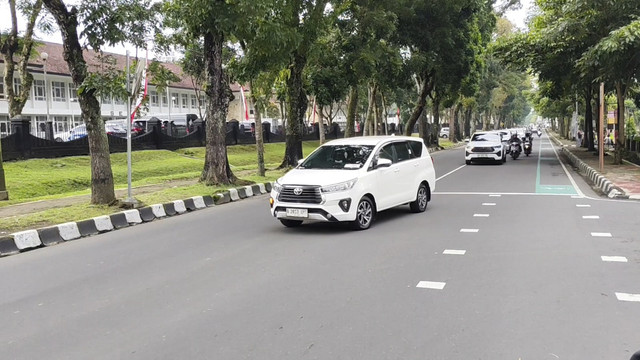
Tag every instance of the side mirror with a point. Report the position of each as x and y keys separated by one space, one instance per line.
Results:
x=384 y=163
x=466 y=140
x=300 y=161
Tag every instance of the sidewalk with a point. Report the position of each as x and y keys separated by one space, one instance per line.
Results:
x=620 y=181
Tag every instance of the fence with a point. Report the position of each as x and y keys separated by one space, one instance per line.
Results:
x=22 y=145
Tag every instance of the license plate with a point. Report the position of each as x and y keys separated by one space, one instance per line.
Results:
x=302 y=213
x=482 y=155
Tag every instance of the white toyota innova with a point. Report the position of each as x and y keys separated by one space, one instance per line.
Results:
x=352 y=179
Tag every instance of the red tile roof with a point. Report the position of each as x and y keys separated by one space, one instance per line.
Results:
x=57 y=65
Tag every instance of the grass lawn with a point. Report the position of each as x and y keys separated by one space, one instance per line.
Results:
x=47 y=179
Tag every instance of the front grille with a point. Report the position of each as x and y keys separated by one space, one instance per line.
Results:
x=309 y=195
x=483 y=149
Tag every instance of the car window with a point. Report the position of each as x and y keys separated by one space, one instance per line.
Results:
x=415 y=147
x=387 y=153
x=485 y=137
x=402 y=151
x=349 y=157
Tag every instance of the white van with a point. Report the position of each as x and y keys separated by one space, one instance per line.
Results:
x=352 y=179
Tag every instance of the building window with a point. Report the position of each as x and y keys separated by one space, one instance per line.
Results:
x=17 y=86
x=119 y=101
x=1 y=87
x=38 y=90
x=153 y=98
x=201 y=100
x=106 y=99
x=164 y=99
x=174 y=99
x=73 y=93
x=194 y=103
x=185 y=101
x=59 y=90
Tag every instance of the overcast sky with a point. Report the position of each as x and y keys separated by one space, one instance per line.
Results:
x=517 y=17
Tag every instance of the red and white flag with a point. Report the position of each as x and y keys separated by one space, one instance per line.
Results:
x=244 y=103
x=140 y=85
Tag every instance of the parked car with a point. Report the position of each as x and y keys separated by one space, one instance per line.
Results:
x=485 y=146
x=444 y=133
x=112 y=127
x=352 y=179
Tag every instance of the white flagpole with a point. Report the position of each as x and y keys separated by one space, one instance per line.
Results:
x=130 y=199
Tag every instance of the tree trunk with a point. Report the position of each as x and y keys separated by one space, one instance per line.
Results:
x=368 y=118
x=321 y=124
x=620 y=138
x=425 y=90
x=467 y=122
x=436 y=122
x=258 y=133
x=298 y=102
x=352 y=108
x=102 y=191
x=216 y=164
x=588 y=120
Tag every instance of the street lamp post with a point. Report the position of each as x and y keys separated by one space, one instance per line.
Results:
x=44 y=57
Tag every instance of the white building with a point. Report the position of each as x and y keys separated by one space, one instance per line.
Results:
x=64 y=110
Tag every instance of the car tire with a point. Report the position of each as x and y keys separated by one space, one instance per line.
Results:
x=422 y=199
x=291 y=223
x=365 y=213
x=58 y=139
x=468 y=162
x=445 y=136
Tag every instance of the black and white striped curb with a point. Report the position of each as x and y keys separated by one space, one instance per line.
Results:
x=601 y=182
x=32 y=239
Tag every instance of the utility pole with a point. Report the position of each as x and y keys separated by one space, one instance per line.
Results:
x=601 y=130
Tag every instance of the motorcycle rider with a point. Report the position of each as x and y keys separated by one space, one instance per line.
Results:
x=516 y=139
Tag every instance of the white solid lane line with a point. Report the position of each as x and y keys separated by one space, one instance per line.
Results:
x=449 y=173
x=454 y=252
x=614 y=258
x=469 y=230
x=573 y=182
x=488 y=204
x=599 y=234
x=495 y=195
x=628 y=297
x=591 y=217
x=480 y=215
x=431 y=285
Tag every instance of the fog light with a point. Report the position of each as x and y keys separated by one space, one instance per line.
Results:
x=345 y=204
x=271 y=202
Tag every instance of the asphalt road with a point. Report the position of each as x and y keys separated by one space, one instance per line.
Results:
x=502 y=265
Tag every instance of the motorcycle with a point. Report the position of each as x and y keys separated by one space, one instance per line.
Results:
x=515 y=150
x=539 y=133
x=527 y=147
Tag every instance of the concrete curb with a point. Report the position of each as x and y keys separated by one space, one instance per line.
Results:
x=601 y=182
x=30 y=239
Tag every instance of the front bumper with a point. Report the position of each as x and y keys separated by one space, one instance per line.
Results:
x=329 y=210
x=493 y=156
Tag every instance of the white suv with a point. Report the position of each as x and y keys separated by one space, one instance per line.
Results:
x=485 y=146
x=354 y=178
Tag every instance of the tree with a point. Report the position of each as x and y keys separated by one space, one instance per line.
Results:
x=308 y=19
x=193 y=65
x=9 y=46
x=104 y=22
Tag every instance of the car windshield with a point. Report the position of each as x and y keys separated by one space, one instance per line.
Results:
x=350 y=157
x=485 y=137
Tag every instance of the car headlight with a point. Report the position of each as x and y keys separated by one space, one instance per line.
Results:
x=468 y=148
x=343 y=186
x=277 y=187
x=497 y=147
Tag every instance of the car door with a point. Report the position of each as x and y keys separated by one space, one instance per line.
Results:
x=407 y=165
x=386 y=186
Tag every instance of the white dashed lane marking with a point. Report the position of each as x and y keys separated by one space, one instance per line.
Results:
x=614 y=258
x=454 y=252
x=583 y=205
x=488 y=204
x=469 y=230
x=431 y=285
x=591 y=217
x=480 y=215
x=599 y=234
x=628 y=297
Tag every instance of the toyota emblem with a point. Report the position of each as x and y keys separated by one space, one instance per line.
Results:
x=297 y=191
